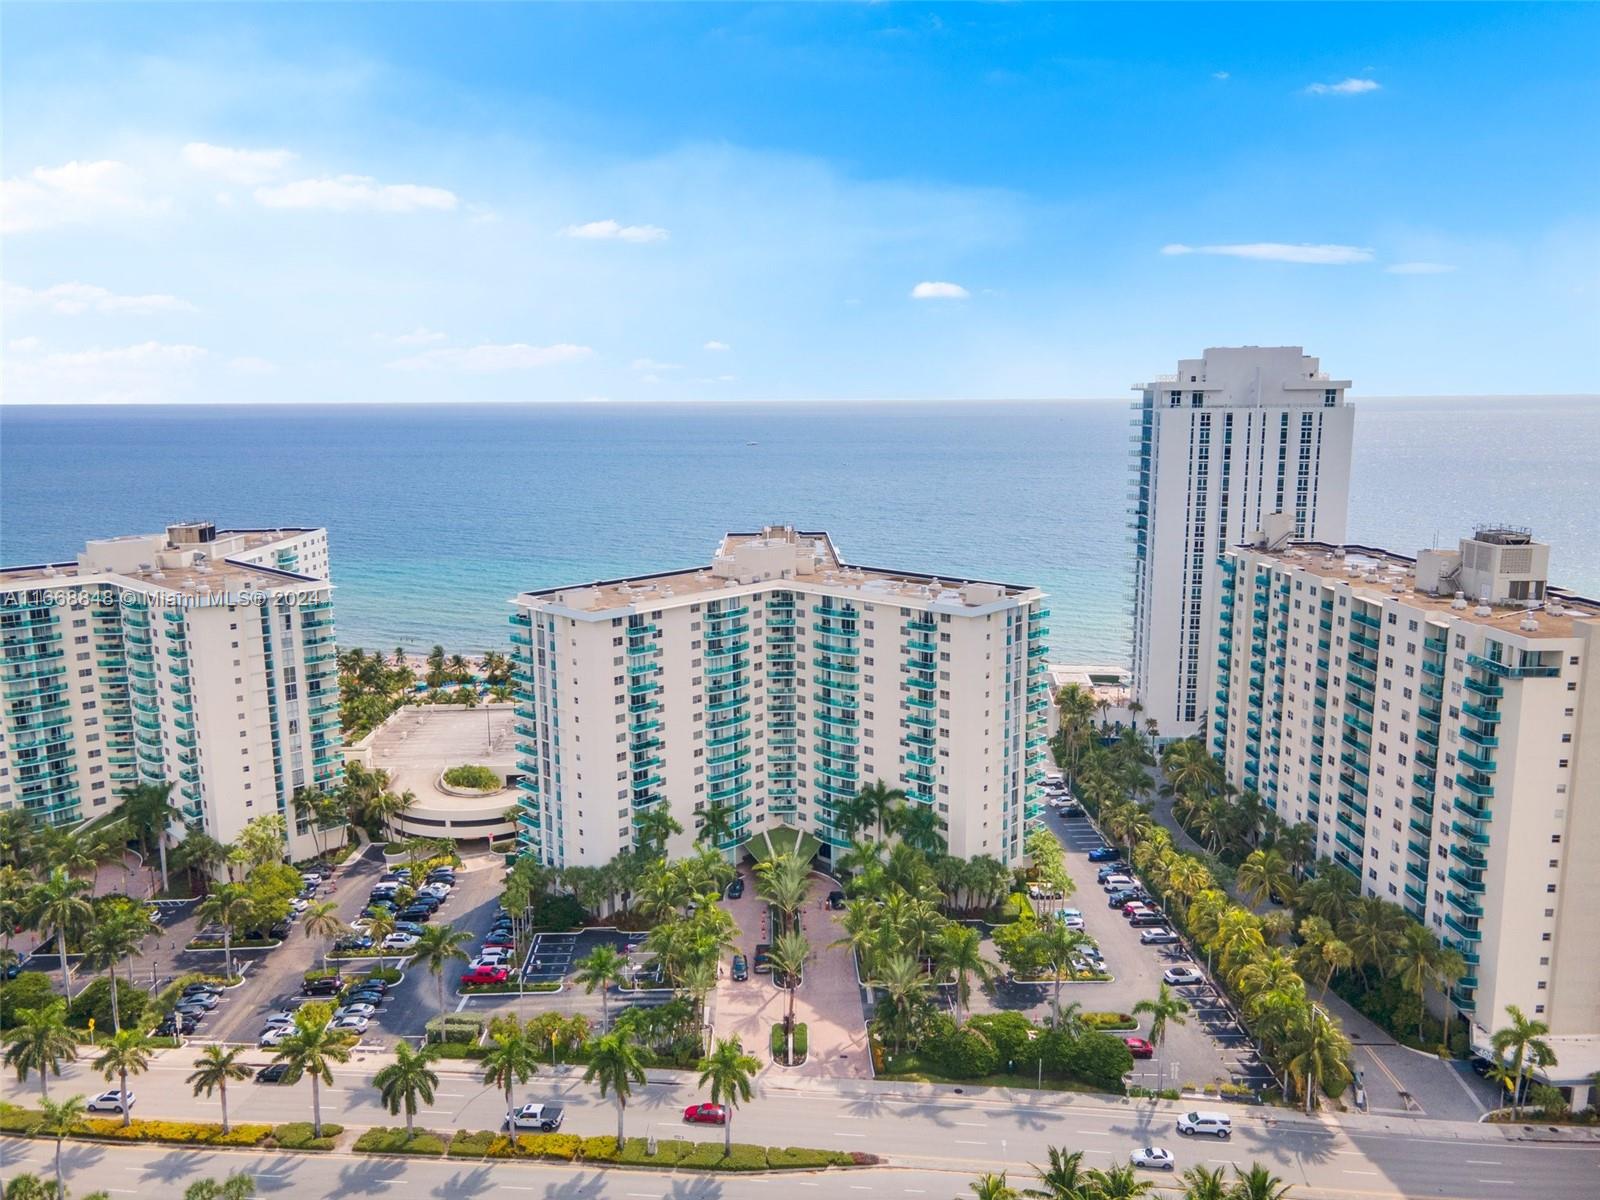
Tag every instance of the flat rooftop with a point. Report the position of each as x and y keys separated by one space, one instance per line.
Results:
x=421 y=740
x=219 y=577
x=807 y=558
x=1317 y=558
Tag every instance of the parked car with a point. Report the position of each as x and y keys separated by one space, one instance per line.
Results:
x=1147 y=920
x=417 y=912
x=763 y=958
x=364 y=996
x=1139 y=1048
x=1179 y=976
x=399 y=941
x=273 y=1073
x=275 y=1035
x=741 y=968
x=836 y=900
x=350 y=1024
x=490 y=958
x=1134 y=908
x=1158 y=937
x=355 y=1008
x=1153 y=1158
x=330 y=985
x=1110 y=869
x=112 y=1102
x=1105 y=854
x=546 y=1118
x=1117 y=883
x=198 y=986
x=408 y=927
x=283 y=1018
x=736 y=888
x=1071 y=922
x=706 y=1114
x=177 y=1024
x=359 y=941
x=1071 y=809
x=482 y=975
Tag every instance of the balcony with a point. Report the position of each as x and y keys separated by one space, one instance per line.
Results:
x=1464 y=905
x=1353 y=847
x=1485 y=740
x=1469 y=833
x=1510 y=671
x=1471 y=884
x=1416 y=895
x=1461 y=929
x=1490 y=691
x=1421 y=827
x=1475 y=812
x=1469 y=857
x=1483 y=787
x=1489 y=716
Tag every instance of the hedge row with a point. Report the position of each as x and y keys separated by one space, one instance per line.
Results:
x=296 y=1135
x=670 y=1152
x=397 y=1141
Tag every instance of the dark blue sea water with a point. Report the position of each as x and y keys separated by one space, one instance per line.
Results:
x=438 y=514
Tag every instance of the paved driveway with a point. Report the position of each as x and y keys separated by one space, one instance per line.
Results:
x=828 y=999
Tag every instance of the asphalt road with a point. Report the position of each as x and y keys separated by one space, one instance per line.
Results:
x=928 y=1129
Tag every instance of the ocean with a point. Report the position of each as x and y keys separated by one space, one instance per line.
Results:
x=438 y=514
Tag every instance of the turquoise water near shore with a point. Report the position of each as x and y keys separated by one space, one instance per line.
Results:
x=438 y=514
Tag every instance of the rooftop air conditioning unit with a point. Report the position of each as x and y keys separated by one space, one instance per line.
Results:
x=1483 y=610
x=1528 y=623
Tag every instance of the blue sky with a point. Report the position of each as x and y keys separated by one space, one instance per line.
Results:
x=724 y=202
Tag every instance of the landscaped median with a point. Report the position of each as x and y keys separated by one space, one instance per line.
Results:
x=296 y=1135
x=634 y=1152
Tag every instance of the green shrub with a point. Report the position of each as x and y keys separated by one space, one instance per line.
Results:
x=16 y=1119
x=966 y=1054
x=557 y=911
x=473 y=776
x=95 y=1001
x=799 y=1156
x=780 y=1042
x=1010 y=1033
x=599 y=1149
x=385 y=974
x=461 y=1028
x=321 y=973
x=395 y=1141
x=31 y=989
x=1109 y=1020
x=741 y=1157
x=467 y=1144
x=299 y=1135
x=669 y=1152
x=562 y=1147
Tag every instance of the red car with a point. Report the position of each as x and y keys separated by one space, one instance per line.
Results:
x=706 y=1114
x=1139 y=1047
x=485 y=975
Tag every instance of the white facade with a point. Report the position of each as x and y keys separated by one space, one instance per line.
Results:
x=777 y=682
x=191 y=657
x=1220 y=447
x=1444 y=740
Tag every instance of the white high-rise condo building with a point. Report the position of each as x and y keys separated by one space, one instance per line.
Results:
x=1232 y=438
x=198 y=657
x=774 y=684
x=1437 y=720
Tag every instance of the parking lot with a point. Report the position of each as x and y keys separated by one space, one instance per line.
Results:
x=553 y=958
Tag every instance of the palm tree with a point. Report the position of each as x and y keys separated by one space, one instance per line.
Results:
x=128 y=1053
x=60 y=1117
x=214 y=1070
x=654 y=828
x=919 y=826
x=40 y=1041
x=231 y=906
x=1329 y=897
x=880 y=800
x=437 y=946
x=959 y=948
x=1058 y=945
x=1264 y=873
x=1524 y=1039
x=312 y=1049
x=408 y=1082
x=512 y=1059
x=1064 y=1178
x=614 y=1065
x=1420 y=962
x=716 y=825
x=1373 y=930
x=1257 y=1183
x=784 y=881
x=1205 y=1183
x=1118 y=1183
x=789 y=953
x=992 y=1187
x=1318 y=1055
x=322 y=920
x=729 y=1070
x=1165 y=1009
x=904 y=986
x=602 y=968
x=108 y=942
x=58 y=905
x=150 y=813
x=234 y=1187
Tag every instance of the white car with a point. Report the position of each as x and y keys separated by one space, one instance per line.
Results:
x=1153 y=1158
x=440 y=890
x=112 y=1102
x=297 y=905
x=1072 y=922
x=350 y=1024
x=1116 y=883
x=355 y=1010
x=1182 y=975
x=282 y=1019
x=203 y=1000
x=400 y=941
x=1158 y=937
x=275 y=1035
x=487 y=959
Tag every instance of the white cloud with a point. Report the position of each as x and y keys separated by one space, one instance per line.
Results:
x=144 y=356
x=26 y=345
x=650 y=364
x=237 y=166
x=602 y=231
x=715 y=346
x=1297 y=252
x=1220 y=75
x=515 y=356
x=72 y=299
x=248 y=365
x=1345 y=87
x=72 y=193
x=939 y=290
x=356 y=193
x=420 y=336
x=1419 y=268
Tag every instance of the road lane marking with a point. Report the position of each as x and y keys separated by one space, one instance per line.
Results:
x=1507 y=1182
x=959 y=1142
x=973 y=1124
x=1350 y=1172
x=1484 y=1162
x=1090 y=1133
x=841 y=1134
